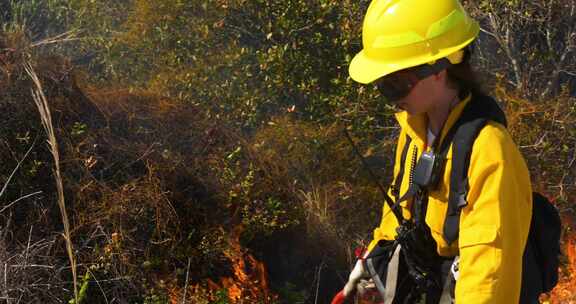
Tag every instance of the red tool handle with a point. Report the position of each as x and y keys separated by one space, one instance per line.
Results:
x=339 y=298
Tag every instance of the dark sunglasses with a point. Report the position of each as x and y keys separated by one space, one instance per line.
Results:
x=399 y=84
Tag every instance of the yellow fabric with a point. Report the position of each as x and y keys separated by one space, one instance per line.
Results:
x=398 y=34
x=493 y=226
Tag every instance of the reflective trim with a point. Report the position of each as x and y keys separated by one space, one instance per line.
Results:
x=375 y=277
x=440 y=27
x=454 y=19
x=391 y=41
x=447 y=289
x=446 y=296
x=392 y=277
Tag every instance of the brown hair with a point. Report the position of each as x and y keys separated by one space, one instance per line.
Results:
x=463 y=76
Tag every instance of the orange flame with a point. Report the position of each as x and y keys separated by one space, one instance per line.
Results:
x=248 y=284
x=250 y=279
x=565 y=291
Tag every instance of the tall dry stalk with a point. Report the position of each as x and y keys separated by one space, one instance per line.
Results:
x=46 y=116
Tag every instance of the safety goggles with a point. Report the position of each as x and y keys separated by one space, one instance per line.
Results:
x=399 y=84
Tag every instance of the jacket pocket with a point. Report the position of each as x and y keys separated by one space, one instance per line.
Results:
x=480 y=256
x=477 y=236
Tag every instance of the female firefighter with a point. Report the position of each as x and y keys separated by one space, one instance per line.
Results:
x=417 y=52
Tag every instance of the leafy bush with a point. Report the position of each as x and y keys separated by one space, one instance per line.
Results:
x=202 y=143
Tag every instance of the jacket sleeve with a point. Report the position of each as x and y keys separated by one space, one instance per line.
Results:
x=494 y=225
x=388 y=223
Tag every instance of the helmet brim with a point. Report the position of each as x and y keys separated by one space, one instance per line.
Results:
x=364 y=69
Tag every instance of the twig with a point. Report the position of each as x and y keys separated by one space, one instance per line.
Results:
x=124 y=278
x=488 y=33
x=5 y=279
x=19 y=199
x=146 y=153
x=28 y=246
x=64 y=37
x=98 y=283
x=186 y=284
x=16 y=169
x=33 y=265
x=304 y=28
x=571 y=162
x=567 y=72
x=318 y=281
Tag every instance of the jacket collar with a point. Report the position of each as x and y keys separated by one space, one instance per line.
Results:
x=416 y=126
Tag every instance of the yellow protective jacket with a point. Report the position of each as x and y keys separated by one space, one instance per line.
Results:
x=493 y=226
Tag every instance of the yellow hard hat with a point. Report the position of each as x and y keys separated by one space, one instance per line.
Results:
x=399 y=34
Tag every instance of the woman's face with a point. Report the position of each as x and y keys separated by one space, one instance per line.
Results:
x=425 y=95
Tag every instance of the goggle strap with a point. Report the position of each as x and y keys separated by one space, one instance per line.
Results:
x=426 y=70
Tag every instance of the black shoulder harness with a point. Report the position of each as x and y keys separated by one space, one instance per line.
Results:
x=461 y=136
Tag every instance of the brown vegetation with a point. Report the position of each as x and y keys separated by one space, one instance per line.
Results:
x=216 y=170
x=161 y=197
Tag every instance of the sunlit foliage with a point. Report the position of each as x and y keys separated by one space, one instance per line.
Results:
x=202 y=141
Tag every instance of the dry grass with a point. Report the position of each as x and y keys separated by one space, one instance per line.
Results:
x=28 y=272
x=46 y=115
x=165 y=202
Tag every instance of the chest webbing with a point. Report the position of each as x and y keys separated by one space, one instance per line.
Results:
x=460 y=137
